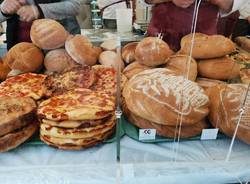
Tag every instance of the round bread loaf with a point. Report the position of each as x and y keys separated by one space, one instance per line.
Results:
x=134 y=68
x=4 y=70
x=58 y=61
x=159 y=96
x=243 y=42
x=128 y=52
x=206 y=83
x=25 y=57
x=110 y=58
x=207 y=47
x=81 y=50
x=110 y=44
x=245 y=75
x=219 y=68
x=48 y=34
x=226 y=102
x=152 y=51
x=180 y=65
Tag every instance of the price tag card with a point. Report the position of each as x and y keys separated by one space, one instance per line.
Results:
x=147 y=134
x=209 y=134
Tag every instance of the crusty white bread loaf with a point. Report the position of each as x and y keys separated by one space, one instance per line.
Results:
x=180 y=64
x=159 y=96
x=110 y=58
x=59 y=61
x=243 y=42
x=206 y=83
x=25 y=57
x=219 y=68
x=152 y=51
x=207 y=47
x=81 y=50
x=128 y=52
x=48 y=34
x=134 y=68
x=226 y=102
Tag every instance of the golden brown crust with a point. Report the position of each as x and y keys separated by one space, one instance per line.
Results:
x=134 y=68
x=206 y=83
x=243 y=42
x=4 y=69
x=128 y=52
x=206 y=47
x=152 y=51
x=179 y=64
x=58 y=61
x=226 y=101
x=245 y=76
x=48 y=34
x=25 y=57
x=14 y=139
x=81 y=50
x=158 y=95
x=219 y=68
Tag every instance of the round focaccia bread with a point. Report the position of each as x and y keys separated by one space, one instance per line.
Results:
x=74 y=144
x=81 y=77
x=106 y=79
x=226 y=102
x=25 y=85
x=77 y=133
x=77 y=104
x=168 y=131
x=14 y=139
x=163 y=98
x=75 y=124
x=15 y=113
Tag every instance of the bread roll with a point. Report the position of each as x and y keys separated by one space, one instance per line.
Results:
x=110 y=58
x=98 y=51
x=179 y=64
x=134 y=68
x=219 y=68
x=81 y=50
x=206 y=83
x=207 y=47
x=4 y=70
x=152 y=51
x=243 y=42
x=128 y=52
x=245 y=76
x=159 y=96
x=226 y=102
x=58 y=61
x=110 y=44
x=48 y=34
x=25 y=57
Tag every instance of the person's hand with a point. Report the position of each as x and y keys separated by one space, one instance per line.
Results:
x=10 y=6
x=183 y=3
x=28 y=13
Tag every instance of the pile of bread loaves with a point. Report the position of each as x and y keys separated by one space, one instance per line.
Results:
x=164 y=93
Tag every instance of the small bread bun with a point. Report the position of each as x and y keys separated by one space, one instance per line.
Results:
x=110 y=58
x=25 y=57
x=152 y=51
x=128 y=52
x=81 y=50
x=179 y=64
x=48 y=34
x=58 y=61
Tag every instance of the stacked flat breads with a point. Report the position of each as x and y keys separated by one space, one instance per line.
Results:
x=154 y=99
x=76 y=119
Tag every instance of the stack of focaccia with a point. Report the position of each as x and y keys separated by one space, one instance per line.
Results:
x=77 y=119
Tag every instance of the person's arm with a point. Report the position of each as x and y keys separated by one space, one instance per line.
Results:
x=8 y=8
x=60 y=10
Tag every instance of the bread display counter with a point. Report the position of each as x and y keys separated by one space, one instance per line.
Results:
x=174 y=104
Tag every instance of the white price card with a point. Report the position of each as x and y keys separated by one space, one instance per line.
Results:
x=147 y=134
x=209 y=134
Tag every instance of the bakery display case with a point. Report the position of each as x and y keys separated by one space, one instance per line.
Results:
x=110 y=107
